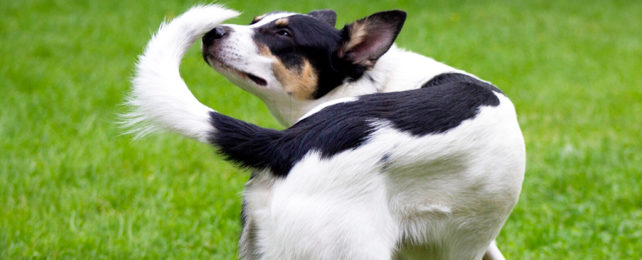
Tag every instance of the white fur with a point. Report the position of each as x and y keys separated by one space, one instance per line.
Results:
x=160 y=97
x=441 y=196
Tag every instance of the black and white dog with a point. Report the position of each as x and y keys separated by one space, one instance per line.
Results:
x=388 y=154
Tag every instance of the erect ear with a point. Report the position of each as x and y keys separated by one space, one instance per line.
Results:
x=326 y=15
x=365 y=40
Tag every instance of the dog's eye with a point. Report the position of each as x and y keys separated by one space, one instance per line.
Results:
x=284 y=32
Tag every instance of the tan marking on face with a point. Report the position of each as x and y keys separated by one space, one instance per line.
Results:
x=258 y=18
x=358 y=33
x=281 y=22
x=300 y=81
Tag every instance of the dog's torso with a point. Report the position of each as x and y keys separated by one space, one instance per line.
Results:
x=432 y=174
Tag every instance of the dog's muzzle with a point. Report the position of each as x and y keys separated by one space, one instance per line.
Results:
x=212 y=53
x=212 y=39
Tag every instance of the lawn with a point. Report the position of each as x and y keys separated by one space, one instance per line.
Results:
x=73 y=186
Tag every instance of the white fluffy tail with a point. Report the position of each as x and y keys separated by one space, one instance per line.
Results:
x=160 y=98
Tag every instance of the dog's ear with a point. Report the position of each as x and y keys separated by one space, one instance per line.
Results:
x=326 y=15
x=365 y=40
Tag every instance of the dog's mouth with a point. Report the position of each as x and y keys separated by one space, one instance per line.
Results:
x=225 y=68
x=257 y=80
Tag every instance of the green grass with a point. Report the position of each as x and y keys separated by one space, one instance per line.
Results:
x=72 y=186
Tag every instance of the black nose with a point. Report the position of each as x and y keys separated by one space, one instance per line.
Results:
x=215 y=34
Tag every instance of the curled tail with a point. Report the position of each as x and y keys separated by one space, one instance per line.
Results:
x=160 y=99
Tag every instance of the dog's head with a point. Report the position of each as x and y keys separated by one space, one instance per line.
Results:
x=299 y=55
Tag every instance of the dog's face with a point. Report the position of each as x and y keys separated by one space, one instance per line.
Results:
x=299 y=55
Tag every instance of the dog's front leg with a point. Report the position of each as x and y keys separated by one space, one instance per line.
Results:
x=248 y=249
x=493 y=253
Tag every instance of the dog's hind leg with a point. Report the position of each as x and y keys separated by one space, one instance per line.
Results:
x=247 y=243
x=493 y=253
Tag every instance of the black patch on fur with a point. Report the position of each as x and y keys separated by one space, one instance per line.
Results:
x=434 y=109
x=385 y=158
x=430 y=110
x=385 y=161
x=457 y=77
x=260 y=148
x=313 y=40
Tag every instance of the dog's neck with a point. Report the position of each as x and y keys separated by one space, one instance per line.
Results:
x=396 y=70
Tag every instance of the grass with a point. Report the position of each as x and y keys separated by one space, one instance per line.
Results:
x=72 y=186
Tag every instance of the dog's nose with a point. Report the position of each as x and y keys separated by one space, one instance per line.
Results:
x=219 y=32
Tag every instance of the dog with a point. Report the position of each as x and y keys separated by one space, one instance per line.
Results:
x=387 y=154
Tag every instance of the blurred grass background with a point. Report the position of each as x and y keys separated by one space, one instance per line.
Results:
x=72 y=186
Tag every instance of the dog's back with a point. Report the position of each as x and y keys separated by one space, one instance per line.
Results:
x=434 y=171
